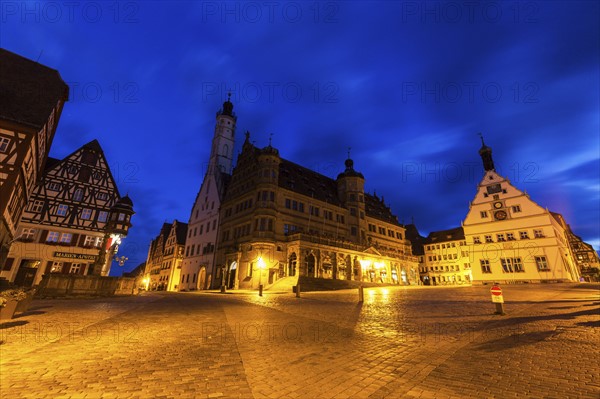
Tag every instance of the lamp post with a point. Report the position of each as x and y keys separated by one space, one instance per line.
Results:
x=261 y=266
x=117 y=226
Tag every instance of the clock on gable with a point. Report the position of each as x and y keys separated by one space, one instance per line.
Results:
x=500 y=215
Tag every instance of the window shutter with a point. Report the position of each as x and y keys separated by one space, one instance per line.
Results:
x=81 y=240
x=48 y=267
x=82 y=268
x=66 y=267
x=43 y=236
x=8 y=264
x=74 y=239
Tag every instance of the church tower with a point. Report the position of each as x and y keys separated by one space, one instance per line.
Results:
x=197 y=268
x=221 y=153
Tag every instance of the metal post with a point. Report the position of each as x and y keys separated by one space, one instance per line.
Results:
x=500 y=309
x=361 y=294
x=298 y=289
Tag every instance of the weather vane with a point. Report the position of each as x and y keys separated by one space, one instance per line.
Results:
x=349 y=148
x=270 y=137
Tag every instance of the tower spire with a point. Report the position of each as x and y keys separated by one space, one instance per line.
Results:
x=486 y=155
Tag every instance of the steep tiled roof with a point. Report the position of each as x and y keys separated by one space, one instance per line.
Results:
x=446 y=235
x=304 y=181
x=28 y=90
x=181 y=232
x=377 y=209
x=415 y=238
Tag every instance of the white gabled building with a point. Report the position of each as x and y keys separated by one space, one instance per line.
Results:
x=197 y=270
x=511 y=238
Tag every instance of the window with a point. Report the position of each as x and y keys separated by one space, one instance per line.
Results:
x=27 y=234
x=66 y=238
x=102 y=216
x=476 y=240
x=214 y=226
x=541 y=263
x=62 y=210
x=466 y=266
x=91 y=241
x=78 y=195
x=516 y=208
x=390 y=233
x=399 y=235
x=483 y=214
x=510 y=236
x=121 y=217
x=327 y=214
x=485 y=266
x=86 y=214
x=382 y=230
x=500 y=237
x=56 y=267
x=75 y=268
x=102 y=196
x=53 y=186
x=353 y=230
x=37 y=206
x=52 y=236
x=353 y=211
x=507 y=265
x=538 y=234
x=4 y=142
x=518 y=265
x=313 y=210
x=488 y=238
x=523 y=235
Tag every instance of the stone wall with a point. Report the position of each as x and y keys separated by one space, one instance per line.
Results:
x=72 y=284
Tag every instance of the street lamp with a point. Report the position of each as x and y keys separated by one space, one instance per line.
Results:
x=261 y=266
x=117 y=226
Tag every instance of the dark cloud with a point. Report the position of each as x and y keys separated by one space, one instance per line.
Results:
x=406 y=87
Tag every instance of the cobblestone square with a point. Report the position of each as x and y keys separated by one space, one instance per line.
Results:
x=402 y=342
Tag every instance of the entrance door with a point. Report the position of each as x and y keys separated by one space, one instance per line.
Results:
x=26 y=274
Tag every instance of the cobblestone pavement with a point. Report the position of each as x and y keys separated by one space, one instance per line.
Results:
x=426 y=342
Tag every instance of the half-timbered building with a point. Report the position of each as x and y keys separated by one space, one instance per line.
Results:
x=165 y=255
x=31 y=101
x=63 y=227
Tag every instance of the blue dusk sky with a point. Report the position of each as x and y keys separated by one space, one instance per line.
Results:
x=407 y=85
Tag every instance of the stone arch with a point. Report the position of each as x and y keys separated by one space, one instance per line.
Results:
x=202 y=278
x=292 y=264
x=311 y=264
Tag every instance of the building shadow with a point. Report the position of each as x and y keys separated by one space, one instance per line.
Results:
x=11 y=324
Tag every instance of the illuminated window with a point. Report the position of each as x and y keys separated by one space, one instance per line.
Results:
x=75 y=268
x=102 y=216
x=62 y=210
x=66 y=238
x=86 y=214
x=52 y=236
x=56 y=267
x=27 y=234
